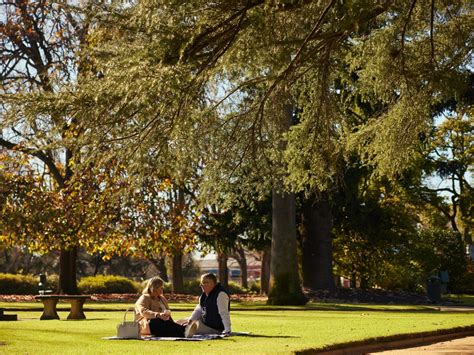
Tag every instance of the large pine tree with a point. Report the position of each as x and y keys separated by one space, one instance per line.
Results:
x=197 y=85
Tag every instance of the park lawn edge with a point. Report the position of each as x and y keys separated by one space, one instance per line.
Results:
x=393 y=341
x=382 y=340
x=95 y=306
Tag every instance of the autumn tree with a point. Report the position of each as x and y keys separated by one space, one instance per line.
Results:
x=67 y=205
x=39 y=48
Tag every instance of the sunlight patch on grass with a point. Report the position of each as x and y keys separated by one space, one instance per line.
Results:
x=273 y=331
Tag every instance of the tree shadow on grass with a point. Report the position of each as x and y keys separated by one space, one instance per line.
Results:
x=253 y=335
x=342 y=307
x=372 y=308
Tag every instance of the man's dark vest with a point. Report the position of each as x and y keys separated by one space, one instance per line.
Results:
x=210 y=313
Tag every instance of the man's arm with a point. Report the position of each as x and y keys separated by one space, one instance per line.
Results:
x=223 y=309
x=197 y=313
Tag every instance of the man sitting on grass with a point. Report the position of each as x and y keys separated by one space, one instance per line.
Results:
x=212 y=313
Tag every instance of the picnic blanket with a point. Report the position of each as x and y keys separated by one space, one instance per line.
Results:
x=194 y=338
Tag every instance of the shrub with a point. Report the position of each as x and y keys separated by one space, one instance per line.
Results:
x=403 y=277
x=235 y=288
x=108 y=284
x=254 y=287
x=52 y=282
x=192 y=287
x=13 y=284
x=167 y=287
x=465 y=284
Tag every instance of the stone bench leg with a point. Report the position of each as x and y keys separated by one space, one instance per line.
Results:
x=77 y=311
x=49 y=310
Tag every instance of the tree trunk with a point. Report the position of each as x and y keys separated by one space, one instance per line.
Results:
x=178 y=282
x=67 y=258
x=285 y=288
x=161 y=266
x=465 y=209
x=223 y=269
x=353 y=283
x=67 y=272
x=242 y=260
x=97 y=263
x=316 y=244
x=265 y=271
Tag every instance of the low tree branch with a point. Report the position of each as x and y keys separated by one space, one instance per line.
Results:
x=47 y=160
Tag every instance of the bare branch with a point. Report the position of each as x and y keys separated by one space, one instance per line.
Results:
x=45 y=158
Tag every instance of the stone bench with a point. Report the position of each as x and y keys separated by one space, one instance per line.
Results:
x=7 y=317
x=50 y=302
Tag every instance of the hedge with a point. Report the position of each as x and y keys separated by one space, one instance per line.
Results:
x=107 y=284
x=15 y=284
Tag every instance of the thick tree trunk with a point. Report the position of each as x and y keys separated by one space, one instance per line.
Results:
x=242 y=260
x=178 y=282
x=316 y=244
x=67 y=272
x=223 y=269
x=265 y=271
x=285 y=288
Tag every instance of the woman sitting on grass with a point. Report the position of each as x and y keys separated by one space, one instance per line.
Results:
x=153 y=313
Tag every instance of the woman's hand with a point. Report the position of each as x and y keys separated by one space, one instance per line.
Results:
x=165 y=315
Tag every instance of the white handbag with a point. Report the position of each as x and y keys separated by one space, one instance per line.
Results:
x=129 y=330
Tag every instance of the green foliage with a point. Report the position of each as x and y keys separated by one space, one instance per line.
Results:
x=192 y=287
x=254 y=287
x=108 y=284
x=465 y=283
x=430 y=251
x=407 y=266
x=408 y=66
x=235 y=288
x=436 y=250
x=373 y=226
x=191 y=269
x=402 y=276
x=52 y=281
x=385 y=238
x=13 y=284
x=197 y=92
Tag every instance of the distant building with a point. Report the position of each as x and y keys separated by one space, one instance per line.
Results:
x=210 y=264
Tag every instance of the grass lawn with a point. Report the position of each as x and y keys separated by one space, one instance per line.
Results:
x=276 y=330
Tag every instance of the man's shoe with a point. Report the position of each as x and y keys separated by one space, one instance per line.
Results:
x=190 y=330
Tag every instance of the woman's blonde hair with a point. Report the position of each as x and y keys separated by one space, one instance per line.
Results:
x=152 y=284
